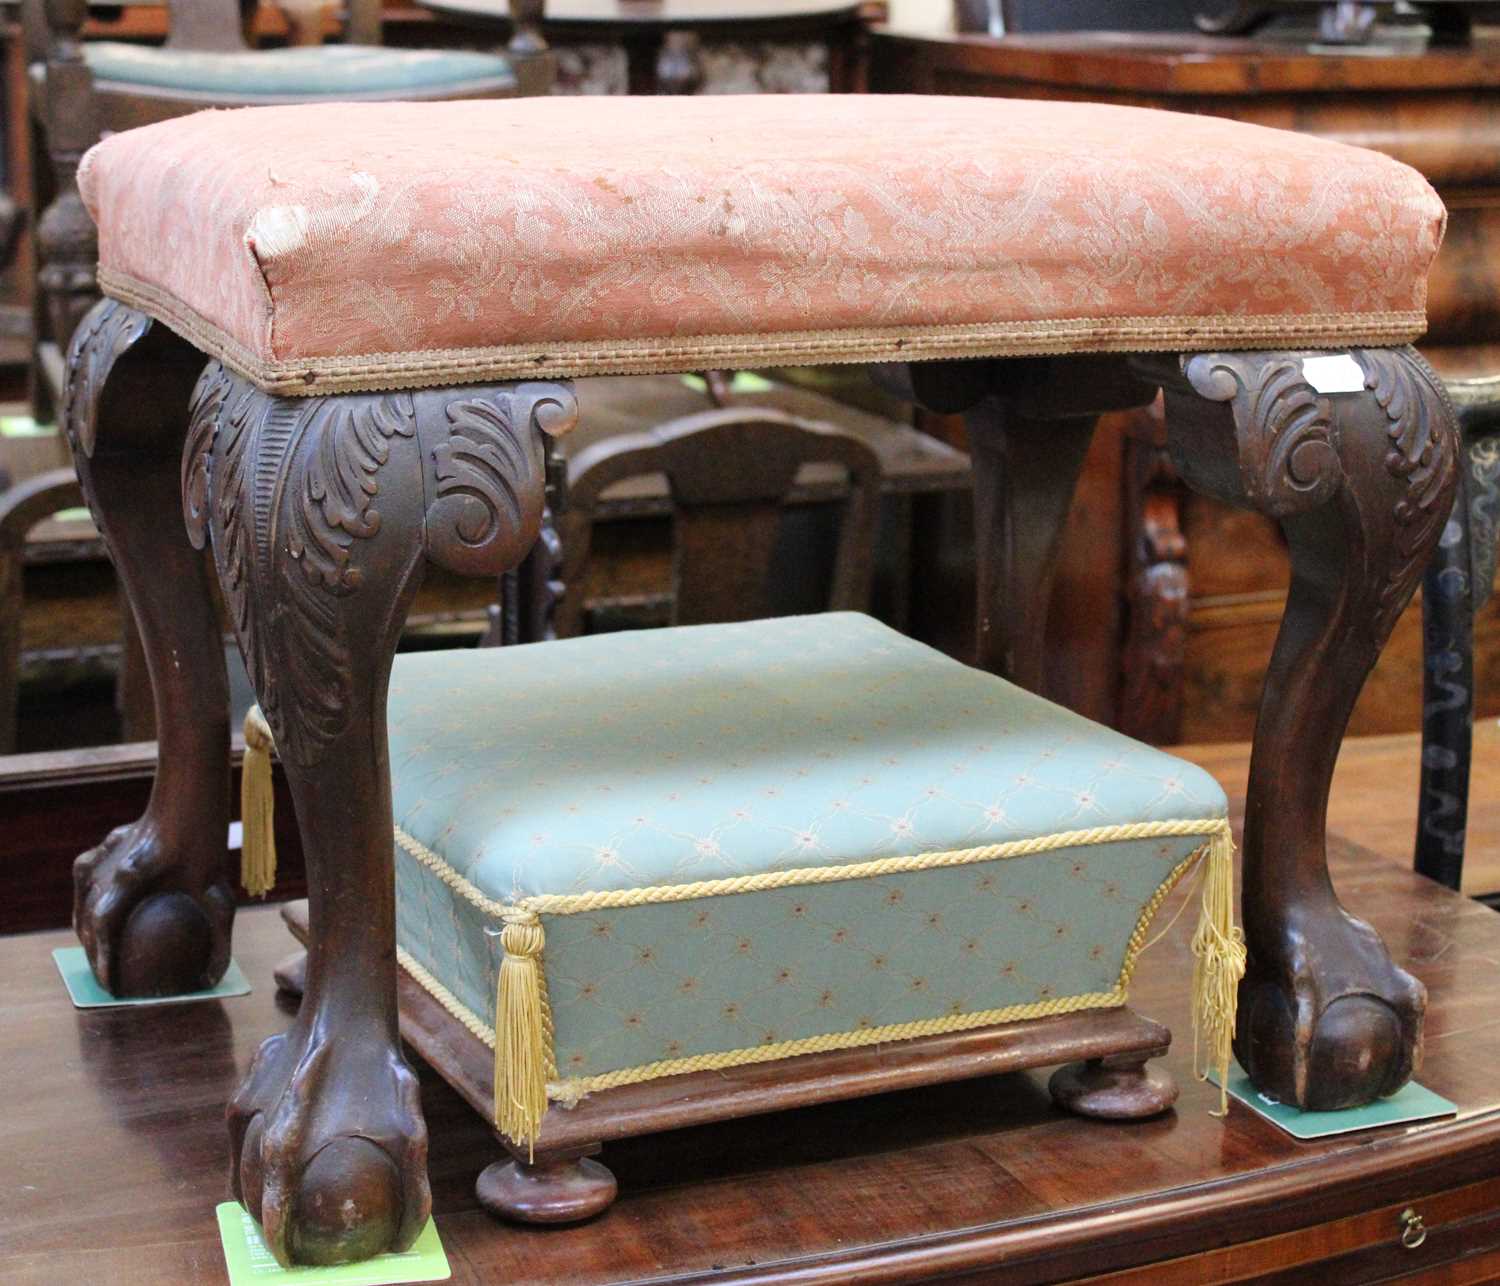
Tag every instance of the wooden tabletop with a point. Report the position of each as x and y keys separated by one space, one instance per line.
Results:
x=689 y=15
x=1194 y=64
x=112 y=1145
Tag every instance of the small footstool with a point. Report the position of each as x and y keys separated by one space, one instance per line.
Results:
x=650 y=858
x=338 y=336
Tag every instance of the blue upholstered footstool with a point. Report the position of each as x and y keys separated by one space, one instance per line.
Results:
x=646 y=867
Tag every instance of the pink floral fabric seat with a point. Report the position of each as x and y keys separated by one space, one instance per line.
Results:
x=337 y=247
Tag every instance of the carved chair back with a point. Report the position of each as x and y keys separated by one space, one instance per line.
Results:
x=70 y=112
x=22 y=507
x=729 y=472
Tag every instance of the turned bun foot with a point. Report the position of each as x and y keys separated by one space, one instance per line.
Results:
x=550 y=1191
x=166 y=949
x=1109 y=1093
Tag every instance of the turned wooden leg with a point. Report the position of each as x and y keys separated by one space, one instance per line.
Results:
x=565 y=1187
x=1122 y=1088
x=1447 y=703
x=151 y=904
x=1362 y=482
x=1025 y=473
x=323 y=513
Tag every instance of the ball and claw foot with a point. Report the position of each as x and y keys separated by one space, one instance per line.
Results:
x=551 y=1190
x=1111 y=1090
x=1338 y=1035
x=143 y=933
x=329 y=1148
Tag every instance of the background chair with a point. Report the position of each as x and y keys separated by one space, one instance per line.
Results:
x=22 y=507
x=730 y=472
x=1458 y=583
x=82 y=89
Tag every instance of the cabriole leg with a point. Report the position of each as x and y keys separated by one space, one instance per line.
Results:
x=1362 y=482
x=323 y=513
x=151 y=904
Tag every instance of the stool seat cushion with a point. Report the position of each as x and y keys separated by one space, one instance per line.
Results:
x=756 y=840
x=333 y=246
x=331 y=71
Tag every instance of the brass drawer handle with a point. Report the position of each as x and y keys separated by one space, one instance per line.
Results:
x=1413 y=1230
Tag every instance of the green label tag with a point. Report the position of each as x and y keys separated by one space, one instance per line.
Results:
x=86 y=993
x=251 y=1264
x=1410 y=1103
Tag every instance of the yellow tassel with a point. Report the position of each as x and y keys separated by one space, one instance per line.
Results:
x=520 y=1042
x=1218 y=966
x=257 y=808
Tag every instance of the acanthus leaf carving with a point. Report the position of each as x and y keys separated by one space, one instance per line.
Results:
x=1289 y=457
x=1420 y=459
x=290 y=490
x=288 y=486
x=487 y=475
x=208 y=398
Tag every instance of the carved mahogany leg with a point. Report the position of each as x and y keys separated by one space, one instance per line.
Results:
x=565 y=1187
x=323 y=513
x=151 y=904
x=1124 y=1088
x=1362 y=483
x=1025 y=472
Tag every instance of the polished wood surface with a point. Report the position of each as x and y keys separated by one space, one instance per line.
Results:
x=972 y=1180
x=663 y=14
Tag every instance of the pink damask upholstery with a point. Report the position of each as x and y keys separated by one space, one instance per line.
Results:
x=346 y=246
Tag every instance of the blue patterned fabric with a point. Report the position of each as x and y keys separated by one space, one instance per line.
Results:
x=331 y=70
x=666 y=757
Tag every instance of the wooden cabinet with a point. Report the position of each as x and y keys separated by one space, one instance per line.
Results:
x=1122 y=653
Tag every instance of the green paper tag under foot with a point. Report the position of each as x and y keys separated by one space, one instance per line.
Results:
x=1410 y=1103
x=251 y=1264
x=86 y=993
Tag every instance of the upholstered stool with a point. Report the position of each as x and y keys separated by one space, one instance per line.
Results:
x=361 y=276
x=714 y=846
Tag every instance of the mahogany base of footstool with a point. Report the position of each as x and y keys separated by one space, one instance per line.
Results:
x=557 y=1182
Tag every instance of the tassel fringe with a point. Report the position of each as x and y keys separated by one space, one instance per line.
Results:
x=520 y=1035
x=1218 y=966
x=257 y=808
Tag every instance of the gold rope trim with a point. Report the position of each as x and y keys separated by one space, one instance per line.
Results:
x=312 y=376
x=528 y=1044
x=578 y=903
x=257 y=807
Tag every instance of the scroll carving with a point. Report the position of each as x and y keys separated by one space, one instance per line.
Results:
x=108 y=331
x=287 y=487
x=296 y=494
x=1289 y=457
x=487 y=475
